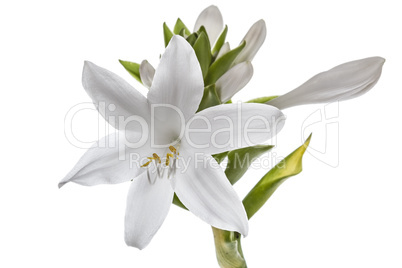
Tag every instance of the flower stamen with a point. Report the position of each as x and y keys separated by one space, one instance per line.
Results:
x=155 y=157
x=167 y=158
x=172 y=155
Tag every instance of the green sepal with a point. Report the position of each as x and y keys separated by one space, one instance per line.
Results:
x=262 y=99
x=202 y=49
x=192 y=38
x=222 y=65
x=133 y=69
x=179 y=26
x=241 y=159
x=178 y=203
x=210 y=98
x=182 y=33
x=262 y=191
x=167 y=34
x=220 y=157
x=220 y=41
x=202 y=30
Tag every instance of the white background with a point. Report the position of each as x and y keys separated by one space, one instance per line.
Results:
x=348 y=216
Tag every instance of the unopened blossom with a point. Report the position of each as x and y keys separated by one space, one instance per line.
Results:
x=343 y=82
x=236 y=77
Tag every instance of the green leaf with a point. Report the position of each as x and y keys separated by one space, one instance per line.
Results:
x=192 y=38
x=209 y=99
x=220 y=41
x=241 y=159
x=202 y=49
x=133 y=68
x=262 y=191
x=167 y=34
x=262 y=99
x=220 y=157
x=179 y=26
x=222 y=65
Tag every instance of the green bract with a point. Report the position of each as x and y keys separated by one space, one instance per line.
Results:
x=262 y=99
x=132 y=68
x=288 y=167
x=210 y=98
x=167 y=34
x=241 y=159
x=221 y=40
x=222 y=65
x=179 y=26
x=203 y=51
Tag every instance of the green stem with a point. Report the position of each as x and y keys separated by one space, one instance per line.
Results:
x=228 y=249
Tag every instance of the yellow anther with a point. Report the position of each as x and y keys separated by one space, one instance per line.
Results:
x=172 y=149
x=147 y=163
x=156 y=157
x=167 y=158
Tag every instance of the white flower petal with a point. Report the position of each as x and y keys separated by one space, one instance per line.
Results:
x=101 y=163
x=345 y=81
x=224 y=49
x=178 y=79
x=254 y=38
x=147 y=73
x=148 y=203
x=211 y=19
x=231 y=126
x=204 y=189
x=112 y=96
x=234 y=80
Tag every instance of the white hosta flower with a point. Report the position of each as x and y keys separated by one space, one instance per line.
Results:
x=343 y=82
x=200 y=182
x=234 y=80
x=211 y=19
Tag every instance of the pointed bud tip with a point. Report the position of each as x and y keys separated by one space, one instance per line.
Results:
x=88 y=64
x=261 y=21
x=380 y=60
x=212 y=7
x=135 y=244
x=307 y=142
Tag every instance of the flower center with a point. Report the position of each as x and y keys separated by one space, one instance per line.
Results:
x=169 y=165
x=172 y=155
